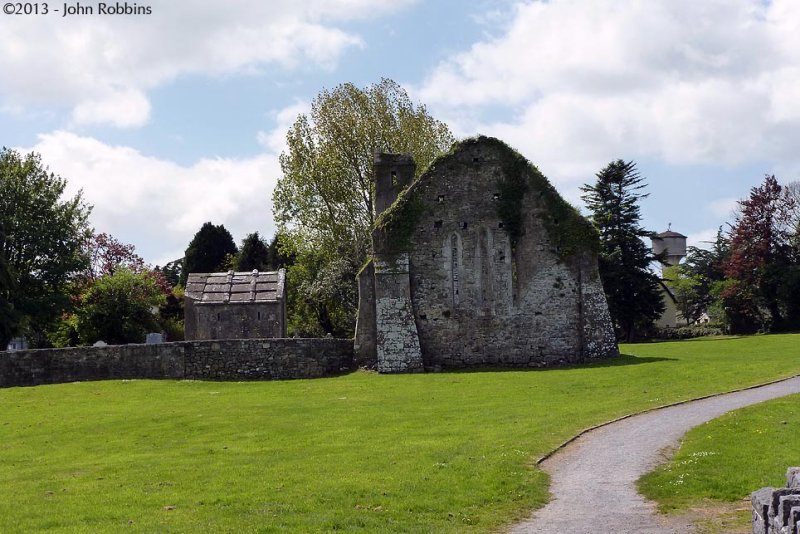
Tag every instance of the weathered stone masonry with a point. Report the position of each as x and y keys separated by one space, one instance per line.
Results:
x=777 y=511
x=229 y=359
x=478 y=262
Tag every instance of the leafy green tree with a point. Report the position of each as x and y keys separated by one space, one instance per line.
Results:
x=323 y=203
x=254 y=254
x=119 y=308
x=41 y=235
x=632 y=290
x=685 y=287
x=706 y=267
x=210 y=250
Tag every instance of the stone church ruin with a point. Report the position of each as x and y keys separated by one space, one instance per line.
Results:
x=478 y=262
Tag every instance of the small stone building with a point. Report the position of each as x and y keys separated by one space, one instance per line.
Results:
x=235 y=305
x=478 y=262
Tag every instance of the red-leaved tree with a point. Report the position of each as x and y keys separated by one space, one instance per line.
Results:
x=759 y=247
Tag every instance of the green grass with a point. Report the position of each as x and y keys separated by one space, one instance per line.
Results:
x=726 y=459
x=449 y=452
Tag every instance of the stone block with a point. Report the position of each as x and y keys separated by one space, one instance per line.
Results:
x=793 y=477
x=785 y=505
x=760 y=500
x=153 y=338
x=794 y=519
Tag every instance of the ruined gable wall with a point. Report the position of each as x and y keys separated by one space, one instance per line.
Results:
x=476 y=302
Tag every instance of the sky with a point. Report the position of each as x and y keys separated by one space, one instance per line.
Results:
x=176 y=115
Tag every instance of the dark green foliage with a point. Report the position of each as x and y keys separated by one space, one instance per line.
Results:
x=706 y=267
x=40 y=246
x=170 y=315
x=118 y=308
x=254 y=254
x=172 y=271
x=208 y=251
x=632 y=290
x=513 y=187
x=688 y=332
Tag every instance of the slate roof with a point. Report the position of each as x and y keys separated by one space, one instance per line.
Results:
x=241 y=287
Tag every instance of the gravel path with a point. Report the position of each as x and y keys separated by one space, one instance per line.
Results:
x=593 y=478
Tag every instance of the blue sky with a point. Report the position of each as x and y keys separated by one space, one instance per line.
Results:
x=174 y=118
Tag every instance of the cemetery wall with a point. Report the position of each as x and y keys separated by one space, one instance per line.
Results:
x=229 y=359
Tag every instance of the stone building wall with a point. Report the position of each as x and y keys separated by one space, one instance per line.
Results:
x=477 y=298
x=235 y=320
x=397 y=341
x=229 y=359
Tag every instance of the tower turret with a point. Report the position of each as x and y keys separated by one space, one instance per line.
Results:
x=673 y=243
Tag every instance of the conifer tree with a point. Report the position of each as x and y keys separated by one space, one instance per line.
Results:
x=632 y=290
x=208 y=251
x=254 y=254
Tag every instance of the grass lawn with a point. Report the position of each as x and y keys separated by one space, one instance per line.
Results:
x=726 y=459
x=446 y=452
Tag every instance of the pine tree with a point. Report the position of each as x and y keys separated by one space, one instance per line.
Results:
x=632 y=290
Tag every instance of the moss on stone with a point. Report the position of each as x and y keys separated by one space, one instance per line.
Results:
x=397 y=223
x=569 y=231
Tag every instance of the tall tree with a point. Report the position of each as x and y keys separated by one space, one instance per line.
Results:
x=208 y=251
x=760 y=258
x=632 y=290
x=254 y=254
x=323 y=203
x=41 y=235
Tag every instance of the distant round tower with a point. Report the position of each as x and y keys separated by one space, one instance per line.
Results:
x=673 y=243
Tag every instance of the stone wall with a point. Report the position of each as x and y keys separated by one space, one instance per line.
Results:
x=230 y=359
x=364 y=346
x=777 y=511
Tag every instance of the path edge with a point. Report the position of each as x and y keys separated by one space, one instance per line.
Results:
x=563 y=445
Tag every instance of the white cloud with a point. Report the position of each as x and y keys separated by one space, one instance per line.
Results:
x=275 y=139
x=102 y=66
x=713 y=82
x=156 y=204
x=723 y=207
x=702 y=239
x=126 y=108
